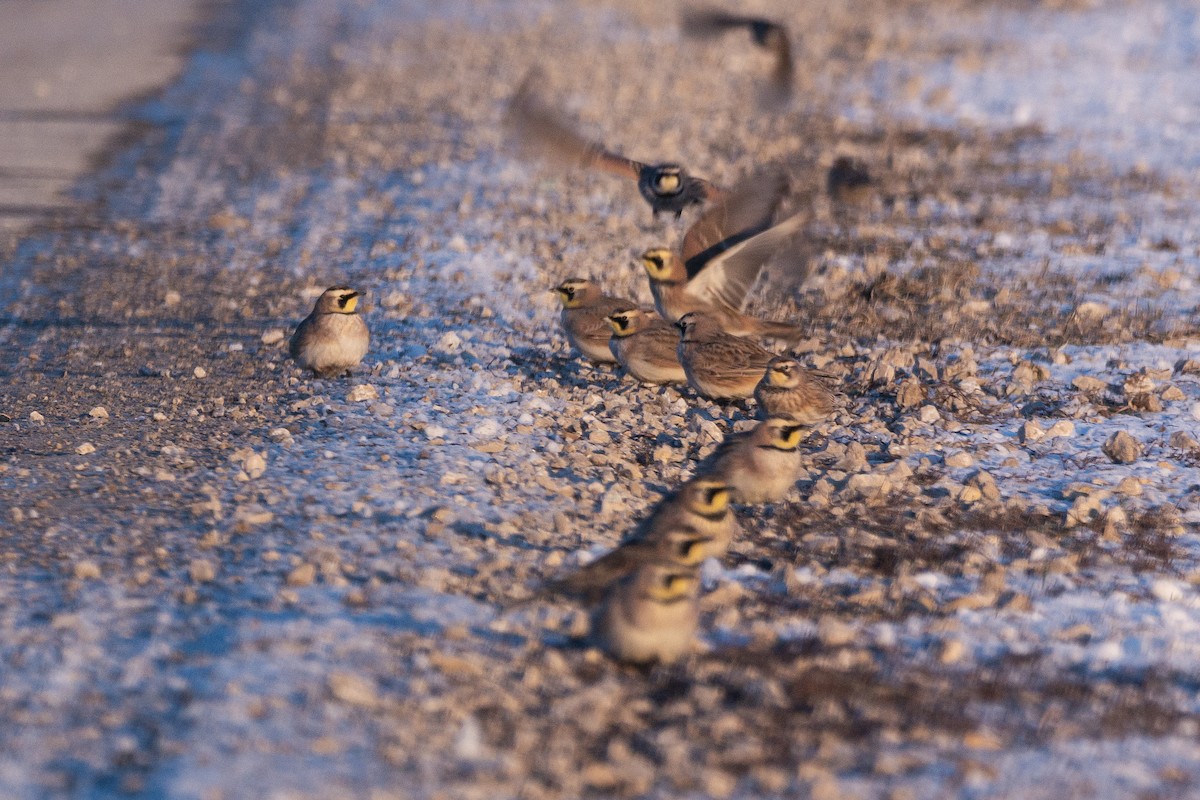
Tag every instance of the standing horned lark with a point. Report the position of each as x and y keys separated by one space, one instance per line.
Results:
x=787 y=389
x=684 y=546
x=718 y=365
x=646 y=346
x=584 y=318
x=701 y=504
x=709 y=23
x=762 y=464
x=723 y=253
x=665 y=186
x=651 y=614
x=693 y=523
x=333 y=338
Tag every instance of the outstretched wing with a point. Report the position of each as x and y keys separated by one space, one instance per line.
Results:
x=537 y=126
x=740 y=213
x=770 y=35
x=727 y=279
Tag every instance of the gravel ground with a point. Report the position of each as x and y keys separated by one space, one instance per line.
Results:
x=222 y=578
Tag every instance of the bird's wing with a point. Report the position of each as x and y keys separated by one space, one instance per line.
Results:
x=710 y=22
x=743 y=211
x=537 y=126
x=726 y=280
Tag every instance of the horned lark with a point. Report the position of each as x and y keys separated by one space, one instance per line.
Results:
x=723 y=254
x=701 y=504
x=584 y=317
x=682 y=545
x=762 y=464
x=848 y=182
x=651 y=614
x=645 y=346
x=691 y=524
x=333 y=338
x=787 y=389
x=718 y=365
x=665 y=186
x=772 y=36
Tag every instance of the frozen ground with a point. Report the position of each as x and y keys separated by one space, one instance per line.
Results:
x=224 y=579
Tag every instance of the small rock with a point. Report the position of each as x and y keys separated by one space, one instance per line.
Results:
x=1031 y=432
x=172 y=298
x=280 y=435
x=970 y=494
x=986 y=484
x=1167 y=590
x=99 y=412
x=910 y=394
x=200 y=372
x=1088 y=384
x=1122 y=448
x=85 y=448
x=36 y=418
x=87 y=570
x=1172 y=394
x=202 y=571
x=1084 y=509
x=1064 y=428
x=364 y=391
x=272 y=336
x=854 y=459
x=952 y=651
x=867 y=484
x=960 y=459
x=1091 y=310
x=834 y=633
x=1182 y=440
x=302 y=575
x=353 y=689
x=928 y=415
x=1129 y=486
x=450 y=342
x=253 y=464
x=469 y=744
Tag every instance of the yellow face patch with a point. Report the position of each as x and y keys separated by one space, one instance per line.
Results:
x=350 y=304
x=779 y=377
x=714 y=500
x=789 y=438
x=673 y=586
x=620 y=325
x=655 y=262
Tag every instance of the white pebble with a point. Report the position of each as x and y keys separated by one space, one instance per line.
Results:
x=1063 y=428
x=1166 y=590
x=487 y=429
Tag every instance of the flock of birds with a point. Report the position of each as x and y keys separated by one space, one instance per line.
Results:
x=645 y=592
